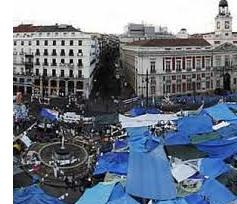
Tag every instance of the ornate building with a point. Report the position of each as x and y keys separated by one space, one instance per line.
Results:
x=53 y=60
x=195 y=64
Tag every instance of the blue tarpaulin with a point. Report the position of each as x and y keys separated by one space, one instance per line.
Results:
x=126 y=199
x=140 y=140
x=152 y=111
x=137 y=111
x=196 y=199
x=113 y=162
x=48 y=114
x=102 y=193
x=188 y=126
x=213 y=167
x=121 y=144
x=216 y=193
x=175 y=201
x=33 y=195
x=220 y=112
x=149 y=175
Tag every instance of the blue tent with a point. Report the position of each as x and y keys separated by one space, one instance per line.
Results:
x=102 y=193
x=188 y=126
x=220 y=112
x=140 y=140
x=196 y=199
x=48 y=114
x=149 y=175
x=175 y=201
x=213 y=167
x=33 y=195
x=126 y=199
x=113 y=162
x=137 y=111
x=216 y=193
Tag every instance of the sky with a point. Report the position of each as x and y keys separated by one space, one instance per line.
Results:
x=110 y=16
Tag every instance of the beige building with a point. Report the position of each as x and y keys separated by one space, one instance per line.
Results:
x=181 y=66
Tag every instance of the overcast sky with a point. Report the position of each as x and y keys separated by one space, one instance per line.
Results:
x=110 y=16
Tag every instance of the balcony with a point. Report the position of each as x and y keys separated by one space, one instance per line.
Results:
x=53 y=64
x=46 y=54
x=37 y=63
x=45 y=64
x=71 y=65
x=37 y=53
x=80 y=65
x=54 y=54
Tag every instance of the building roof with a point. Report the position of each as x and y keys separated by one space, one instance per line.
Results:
x=223 y=3
x=52 y=28
x=176 y=42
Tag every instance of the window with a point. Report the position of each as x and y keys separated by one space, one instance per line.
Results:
x=198 y=63
x=227 y=24
x=62 y=53
x=37 y=72
x=71 y=42
x=227 y=60
x=45 y=62
x=22 y=43
x=79 y=73
x=37 y=61
x=22 y=80
x=54 y=72
x=168 y=89
x=235 y=81
x=62 y=42
x=153 y=90
x=54 y=53
x=208 y=62
x=194 y=76
x=207 y=84
x=198 y=85
x=218 y=25
x=217 y=42
x=79 y=53
x=71 y=61
x=54 y=63
x=189 y=64
x=62 y=61
x=62 y=73
x=37 y=42
x=45 y=52
x=153 y=67
x=44 y=72
x=37 y=52
x=54 y=43
x=29 y=43
x=46 y=42
x=167 y=66
x=80 y=62
x=79 y=42
x=218 y=61
x=203 y=75
x=178 y=65
x=71 y=73
x=15 y=42
x=173 y=77
x=178 y=88
x=173 y=88
x=71 y=52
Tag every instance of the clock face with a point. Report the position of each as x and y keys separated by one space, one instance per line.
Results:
x=227 y=25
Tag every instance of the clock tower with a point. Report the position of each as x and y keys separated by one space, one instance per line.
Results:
x=223 y=20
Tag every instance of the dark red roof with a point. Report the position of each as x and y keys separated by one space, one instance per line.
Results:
x=54 y=28
x=176 y=42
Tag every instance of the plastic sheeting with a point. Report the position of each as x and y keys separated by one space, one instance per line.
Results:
x=216 y=193
x=137 y=111
x=220 y=112
x=140 y=140
x=121 y=144
x=152 y=111
x=149 y=175
x=102 y=193
x=113 y=162
x=213 y=167
x=196 y=199
x=33 y=195
x=48 y=114
x=126 y=199
x=176 y=201
x=145 y=120
x=187 y=127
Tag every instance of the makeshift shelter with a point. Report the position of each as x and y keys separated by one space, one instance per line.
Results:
x=113 y=162
x=220 y=112
x=33 y=195
x=149 y=175
x=102 y=193
x=216 y=193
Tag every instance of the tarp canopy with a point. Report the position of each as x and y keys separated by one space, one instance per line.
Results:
x=149 y=175
x=213 y=167
x=188 y=126
x=216 y=193
x=196 y=199
x=175 y=201
x=121 y=143
x=136 y=111
x=33 y=195
x=126 y=199
x=140 y=140
x=220 y=112
x=145 y=120
x=113 y=162
x=102 y=193
x=50 y=115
